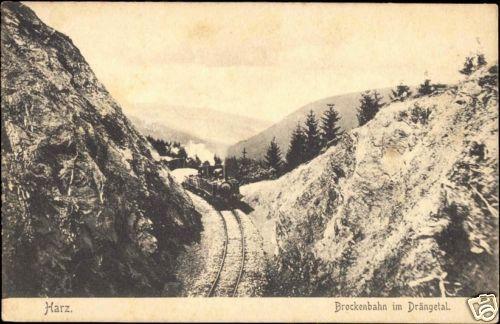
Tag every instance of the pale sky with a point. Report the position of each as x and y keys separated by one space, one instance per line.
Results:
x=267 y=60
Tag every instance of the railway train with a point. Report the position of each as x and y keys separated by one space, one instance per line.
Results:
x=212 y=184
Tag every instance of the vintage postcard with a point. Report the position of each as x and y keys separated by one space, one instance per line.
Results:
x=258 y=162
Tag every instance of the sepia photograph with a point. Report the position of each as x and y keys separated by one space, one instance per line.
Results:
x=295 y=162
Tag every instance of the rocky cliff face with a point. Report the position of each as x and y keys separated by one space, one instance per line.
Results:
x=85 y=211
x=406 y=205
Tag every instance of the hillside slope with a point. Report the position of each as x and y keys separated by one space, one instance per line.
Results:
x=210 y=125
x=204 y=148
x=345 y=104
x=85 y=211
x=159 y=131
x=406 y=205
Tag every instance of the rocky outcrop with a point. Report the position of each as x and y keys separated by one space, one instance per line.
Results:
x=85 y=210
x=406 y=205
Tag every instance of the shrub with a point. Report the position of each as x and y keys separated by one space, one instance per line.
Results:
x=417 y=115
x=401 y=93
x=420 y=114
x=490 y=79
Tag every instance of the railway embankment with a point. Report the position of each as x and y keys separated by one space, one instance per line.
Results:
x=198 y=265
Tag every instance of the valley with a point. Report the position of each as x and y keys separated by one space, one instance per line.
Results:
x=383 y=193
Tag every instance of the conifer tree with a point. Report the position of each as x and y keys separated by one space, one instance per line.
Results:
x=481 y=61
x=468 y=66
x=401 y=93
x=243 y=165
x=313 y=139
x=426 y=88
x=330 y=131
x=197 y=161
x=296 y=151
x=273 y=157
x=182 y=153
x=217 y=160
x=232 y=167
x=244 y=158
x=370 y=104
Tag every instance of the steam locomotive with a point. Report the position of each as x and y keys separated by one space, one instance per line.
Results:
x=212 y=184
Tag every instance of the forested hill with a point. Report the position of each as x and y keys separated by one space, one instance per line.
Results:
x=345 y=104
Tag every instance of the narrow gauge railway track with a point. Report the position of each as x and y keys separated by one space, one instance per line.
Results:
x=218 y=283
x=224 y=254
x=242 y=267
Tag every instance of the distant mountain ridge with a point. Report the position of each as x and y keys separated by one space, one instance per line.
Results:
x=194 y=145
x=216 y=128
x=345 y=104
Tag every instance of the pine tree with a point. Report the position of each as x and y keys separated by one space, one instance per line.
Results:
x=370 y=104
x=297 y=149
x=313 y=139
x=182 y=153
x=468 y=66
x=244 y=160
x=232 y=167
x=426 y=88
x=243 y=165
x=217 y=160
x=197 y=161
x=273 y=157
x=401 y=93
x=481 y=61
x=159 y=145
x=330 y=131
